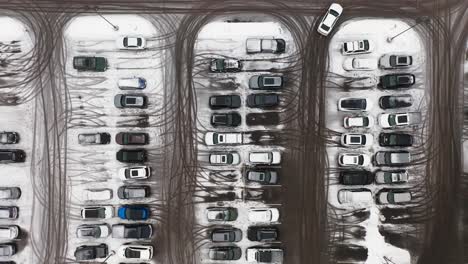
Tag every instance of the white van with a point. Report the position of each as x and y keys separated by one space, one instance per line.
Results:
x=132 y=83
x=267 y=157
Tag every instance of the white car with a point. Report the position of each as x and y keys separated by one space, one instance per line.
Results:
x=394 y=120
x=264 y=255
x=357 y=47
x=263 y=215
x=136 y=252
x=93 y=231
x=231 y=158
x=392 y=61
x=132 y=83
x=265 y=45
x=330 y=18
x=9 y=232
x=135 y=173
x=97 y=212
x=356 y=140
x=359 y=196
x=394 y=196
x=353 y=159
x=361 y=82
x=268 y=157
x=358 y=121
x=131 y=43
x=358 y=64
x=96 y=194
x=214 y=138
x=354 y=104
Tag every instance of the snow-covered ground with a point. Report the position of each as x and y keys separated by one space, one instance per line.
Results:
x=377 y=31
x=20 y=119
x=92 y=98
x=220 y=39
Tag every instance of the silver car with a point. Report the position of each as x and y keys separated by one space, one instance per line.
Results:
x=7 y=193
x=265 y=82
x=130 y=101
x=94 y=138
x=7 y=250
x=389 y=61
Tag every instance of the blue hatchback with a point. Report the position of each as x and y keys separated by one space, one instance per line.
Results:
x=134 y=212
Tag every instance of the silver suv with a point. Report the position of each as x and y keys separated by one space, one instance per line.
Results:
x=392 y=158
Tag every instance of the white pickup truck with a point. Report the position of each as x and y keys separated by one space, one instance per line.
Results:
x=399 y=119
x=214 y=138
x=265 y=255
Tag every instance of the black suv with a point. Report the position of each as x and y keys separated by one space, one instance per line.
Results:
x=395 y=101
x=231 y=119
x=262 y=233
x=395 y=140
x=91 y=252
x=132 y=155
x=262 y=100
x=12 y=155
x=225 y=253
x=356 y=177
x=397 y=80
x=225 y=101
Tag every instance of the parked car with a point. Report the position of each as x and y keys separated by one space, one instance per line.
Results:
x=356 y=140
x=361 y=82
x=264 y=255
x=394 y=196
x=225 y=101
x=389 y=61
x=130 y=101
x=133 y=192
x=354 y=196
x=394 y=120
x=97 y=212
x=353 y=159
x=131 y=43
x=231 y=119
x=10 y=193
x=262 y=100
x=97 y=194
x=397 y=80
x=357 y=47
x=225 y=253
x=395 y=140
x=359 y=64
x=132 y=138
x=391 y=177
x=132 y=155
x=224 y=158
x=134 y=212
x=214 y=214
x=392 y=158
x=91 y=252
x=213 y=138
x=395 y=101
x=94 y=138
x=93 y=231
x=266 y=82
x=10 y=232
x=135 y=83
x=358 y=121
x=263 y=215
x=136 y=252
x=330 y=18
x=266 y=157
x=226 y=235
x=7 y=249
x=263 y=233
x=9 y=212
x=135 y=173
x=89 y=63
x=9 y=137
x=132 y=231
x=265 y=45
x=12 y=155
x=354 y=104
x=225 y=65
x=262 y=176
x=356 y=177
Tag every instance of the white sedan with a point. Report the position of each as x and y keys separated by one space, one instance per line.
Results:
x=357 y=47
x=131 y=43
x=213 y=138
x=353 y=160
x=97 y=195
x=135 y=173
x=357 y=64
x=356 y=140
x=358 y=121
x=330 y=18
x=136 y=252
x=224 y=158
x=263 y=215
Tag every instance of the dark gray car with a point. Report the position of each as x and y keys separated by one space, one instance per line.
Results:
x=130 y=101
x=134 y=231
x=265 y=82
x=395 y=101
x=262 y=100
x=226 y=235
x=225 y=253
x=91 y=252
x=133 y=192
x=9 y=137
x=262 y=176
x=392 y=158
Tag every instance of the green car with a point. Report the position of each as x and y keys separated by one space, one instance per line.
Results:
x=87 y=63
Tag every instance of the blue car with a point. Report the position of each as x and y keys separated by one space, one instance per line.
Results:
x=134 y=212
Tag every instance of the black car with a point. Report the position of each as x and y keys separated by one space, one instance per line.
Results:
x=356 y=177
x=353 y=104
x=12 y=155
x=262 y=100
x=132 y=231
x=225 y=253
x=9 y=137
x=263 y=233
x=225 y=101
x=88 y=63
x=231 y=119
x=133 y=192
x=127 y=138
x=395 y=140
x=395 y=101
x=91 y=252
x=262 y=176
x=226 y=235
x=132 y=155
x=397 y=80
x=225 y=65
